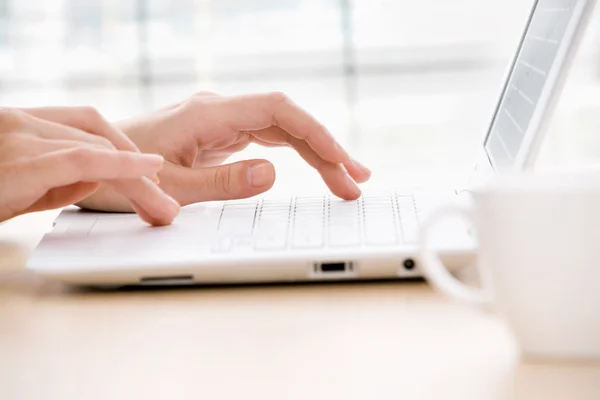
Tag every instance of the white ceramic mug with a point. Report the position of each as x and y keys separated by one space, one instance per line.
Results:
x=538 y=259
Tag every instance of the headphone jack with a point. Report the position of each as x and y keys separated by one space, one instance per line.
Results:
x=409 y=264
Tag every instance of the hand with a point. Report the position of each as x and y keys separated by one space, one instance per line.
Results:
x=53 y=157
x=199 y=134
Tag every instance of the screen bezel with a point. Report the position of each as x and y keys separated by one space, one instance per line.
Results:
x=531 y=143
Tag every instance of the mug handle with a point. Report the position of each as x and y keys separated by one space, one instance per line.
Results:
x=436 y=272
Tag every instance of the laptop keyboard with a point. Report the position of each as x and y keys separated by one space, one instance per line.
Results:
x=317 y=222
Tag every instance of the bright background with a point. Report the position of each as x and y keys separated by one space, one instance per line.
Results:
x=406 y=85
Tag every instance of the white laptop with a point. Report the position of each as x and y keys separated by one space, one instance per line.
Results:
x=319 y=238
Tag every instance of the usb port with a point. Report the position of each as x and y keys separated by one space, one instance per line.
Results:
x=334 y=267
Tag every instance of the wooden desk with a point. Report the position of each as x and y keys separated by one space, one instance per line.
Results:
x=341 y=341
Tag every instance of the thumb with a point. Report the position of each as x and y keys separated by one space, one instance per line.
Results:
x=224 y=182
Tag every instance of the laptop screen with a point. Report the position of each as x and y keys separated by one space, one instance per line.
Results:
x=527 y=78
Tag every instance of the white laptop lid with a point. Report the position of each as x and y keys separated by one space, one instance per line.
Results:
x=534 y=81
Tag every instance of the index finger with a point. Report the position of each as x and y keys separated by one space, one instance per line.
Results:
x=86 y=119
x=260 y=111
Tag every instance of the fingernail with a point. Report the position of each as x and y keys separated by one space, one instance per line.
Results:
x=342 y=150
x=174 y=203
x=260 y=175
x=361 y=167
x=356 y=192
x=154 y=178
x=154 y=159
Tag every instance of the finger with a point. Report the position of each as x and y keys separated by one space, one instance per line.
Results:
x=275 y=136
x=89 y=120
x=340 y=181
x=86 y=119
x=226 y=182
x=357 y=171
x=63 y=196
x=70 y=166
x=24 y=146
x=301 y=125
x=161 y=209
x=148 y=218
x=260 y=111
x=152 y=204
x=54 y=131
x=85 y=164
x=335 y=175
x=211 y=158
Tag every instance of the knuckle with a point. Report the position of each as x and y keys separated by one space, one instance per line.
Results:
x=222 y=181
x=322 y=129
x=80 y=158
x=11 y=119
x=92 y=119
x=278 y=97
x=196 y=107
x=93 y=123
x=90 y=113
x=205 y=93
x=104 y=142
x=191 y=104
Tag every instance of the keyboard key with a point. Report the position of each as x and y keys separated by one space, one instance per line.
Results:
x=309 y=222
x=380 y=225
x=270 y=241
x=243 y=243
x=237 y=219
x=223 y=245
x=344 y=226
x=272 y=225
x=306 y=240
x=235 y=226
x=408 y=218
